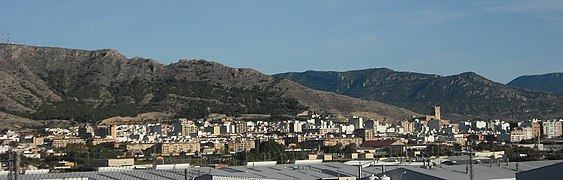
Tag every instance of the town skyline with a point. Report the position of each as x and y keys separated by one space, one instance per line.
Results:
x=220 y=141
x=263 y=90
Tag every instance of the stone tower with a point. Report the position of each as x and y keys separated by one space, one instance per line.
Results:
x=436 y=111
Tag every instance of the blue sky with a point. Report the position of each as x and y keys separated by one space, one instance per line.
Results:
x=497 y=39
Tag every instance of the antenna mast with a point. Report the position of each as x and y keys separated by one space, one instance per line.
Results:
x=2 y=37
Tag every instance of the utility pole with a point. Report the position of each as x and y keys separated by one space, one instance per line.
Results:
x=406 y=150
x=154 y=156
x=359 y=169
x=17 y=164
x=11 y=163
x=75 y=160
x=470 y=160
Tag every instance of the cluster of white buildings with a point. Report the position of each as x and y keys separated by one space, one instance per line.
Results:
x=219 y=133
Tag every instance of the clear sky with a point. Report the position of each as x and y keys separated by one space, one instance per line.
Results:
x=497 y=39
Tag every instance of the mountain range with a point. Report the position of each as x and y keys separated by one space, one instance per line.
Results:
x=44 y=83
x=465 y=95
x=47 y=83
x=552 y=82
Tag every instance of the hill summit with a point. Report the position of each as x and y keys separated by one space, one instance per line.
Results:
x=59 y=83
x=463 y=95
x=551 y=82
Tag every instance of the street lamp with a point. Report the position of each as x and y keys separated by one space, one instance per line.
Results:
x=401 y=176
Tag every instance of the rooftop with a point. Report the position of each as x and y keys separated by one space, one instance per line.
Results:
x=309 y=171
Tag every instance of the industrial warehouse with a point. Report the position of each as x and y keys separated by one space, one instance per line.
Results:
x=307 y=169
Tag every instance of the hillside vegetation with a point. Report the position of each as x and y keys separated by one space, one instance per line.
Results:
x=82 y=85
x=466 y=95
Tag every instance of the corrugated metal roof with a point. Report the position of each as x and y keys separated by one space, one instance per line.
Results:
x=312 y=171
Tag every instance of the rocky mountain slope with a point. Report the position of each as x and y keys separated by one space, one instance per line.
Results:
x=552 y=82
x=464 y=95
x=59 y=83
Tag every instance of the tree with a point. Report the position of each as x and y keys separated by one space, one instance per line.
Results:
x=457 y=147
x=271 y=151
x=239 y=158
x=350 y=148
x=333 y=149
x=438 y=150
